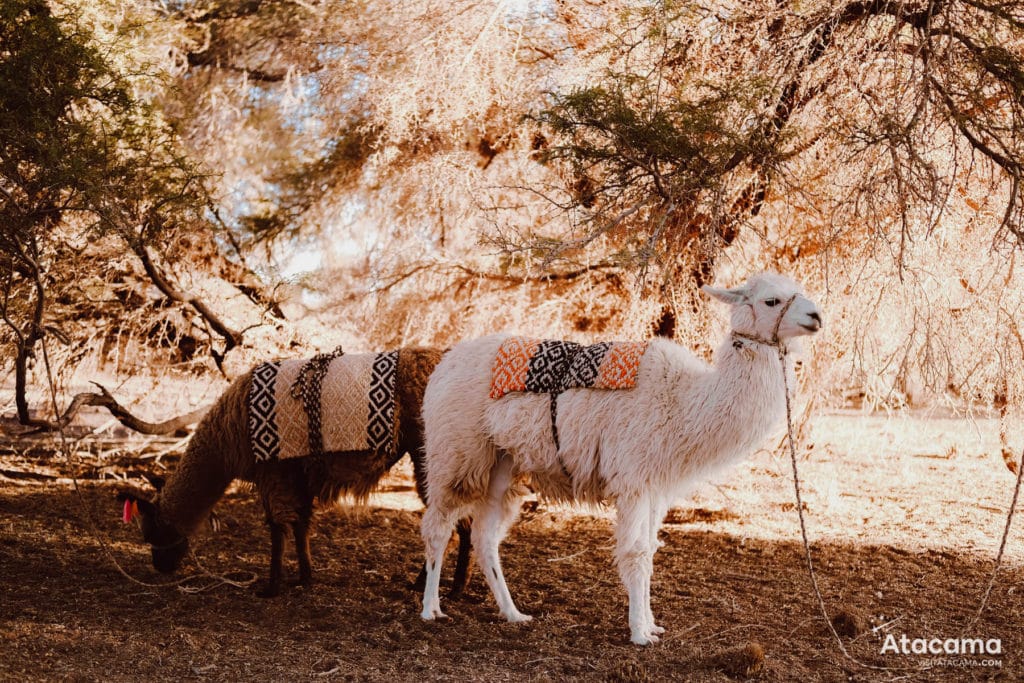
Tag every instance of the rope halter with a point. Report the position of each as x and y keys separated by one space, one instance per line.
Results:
x=774 y=341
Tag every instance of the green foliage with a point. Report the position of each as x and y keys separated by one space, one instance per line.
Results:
x=52 y=86
x=81 y=157
x=619 y=132
x=649 y=163
x=74 y=139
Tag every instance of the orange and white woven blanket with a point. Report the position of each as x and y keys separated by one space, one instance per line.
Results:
x=552 y=366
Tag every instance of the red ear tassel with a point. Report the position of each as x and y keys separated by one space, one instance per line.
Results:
x=131 y=508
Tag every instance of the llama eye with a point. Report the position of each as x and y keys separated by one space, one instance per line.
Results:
x=771 y=302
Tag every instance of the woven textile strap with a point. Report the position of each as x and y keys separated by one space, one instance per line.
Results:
x=308 y=386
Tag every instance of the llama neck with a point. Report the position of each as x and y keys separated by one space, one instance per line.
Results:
x=195 y=487
x=750 y=373
x=743 y=399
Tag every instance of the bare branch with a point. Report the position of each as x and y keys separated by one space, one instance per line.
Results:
x=252 y=73
x=231 y=338
x=106 y=400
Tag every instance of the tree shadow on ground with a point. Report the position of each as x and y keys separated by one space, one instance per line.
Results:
x=68 y=613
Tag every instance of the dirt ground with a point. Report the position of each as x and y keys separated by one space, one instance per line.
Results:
x=904 y=514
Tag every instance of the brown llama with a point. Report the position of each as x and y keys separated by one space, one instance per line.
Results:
x=221 y=451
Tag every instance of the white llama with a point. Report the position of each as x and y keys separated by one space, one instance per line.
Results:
x=638 y=448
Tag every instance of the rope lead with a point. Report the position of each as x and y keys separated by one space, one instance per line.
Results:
x=807 y=545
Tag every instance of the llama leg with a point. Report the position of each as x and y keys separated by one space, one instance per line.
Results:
x=461 y=564
x=658 y=511
x=491 y=520
x=300 y=529
x=273 y=586
x=463 y=530
x=421 y=579
x=633 y=555
x=436 y=529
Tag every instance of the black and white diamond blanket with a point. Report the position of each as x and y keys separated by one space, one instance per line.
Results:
x=356 y=411
x=552 y=366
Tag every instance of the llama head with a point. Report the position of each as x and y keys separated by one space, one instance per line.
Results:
x=758 y=304
x=167 y=545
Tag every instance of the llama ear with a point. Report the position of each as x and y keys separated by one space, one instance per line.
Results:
x=156 y=480
x=726 y=296
x=214 y=522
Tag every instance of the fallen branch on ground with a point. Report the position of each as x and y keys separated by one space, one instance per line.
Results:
x=106 y=400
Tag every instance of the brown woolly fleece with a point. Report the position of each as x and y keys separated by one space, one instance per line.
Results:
x=220 y=451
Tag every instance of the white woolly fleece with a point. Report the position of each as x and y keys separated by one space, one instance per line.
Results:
x=638 y=448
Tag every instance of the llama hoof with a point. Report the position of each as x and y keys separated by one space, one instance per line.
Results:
x=657 y=630
x=648 y=638
x=432 y=614
x=517 y=617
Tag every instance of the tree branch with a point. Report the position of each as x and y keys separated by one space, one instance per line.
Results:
x=473 y=273
x=1009 y=165
x=106 y=400
x=231 y=337
x=259 y=75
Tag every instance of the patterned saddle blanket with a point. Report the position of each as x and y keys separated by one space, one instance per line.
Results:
x=330 y=403
x=552 y=366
